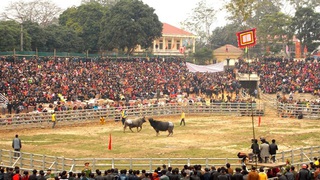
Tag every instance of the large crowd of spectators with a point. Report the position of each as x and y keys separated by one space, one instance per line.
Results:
x=30 y=82
x=37 y=81
x=285 y=75
x=196 y=172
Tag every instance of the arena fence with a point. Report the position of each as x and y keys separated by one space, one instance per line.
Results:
x=43 y=119
x=29 y=161
x=298 y=111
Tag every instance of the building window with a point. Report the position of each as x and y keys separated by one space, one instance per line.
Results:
x=178 y=45
x=169 y=44
x=160 y=44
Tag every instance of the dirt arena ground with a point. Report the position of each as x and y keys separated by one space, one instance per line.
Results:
x=203 y=136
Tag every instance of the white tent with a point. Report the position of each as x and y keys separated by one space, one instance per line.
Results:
x=212 y=68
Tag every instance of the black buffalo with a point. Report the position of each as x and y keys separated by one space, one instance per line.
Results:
x=134 y=123
x=162 y=126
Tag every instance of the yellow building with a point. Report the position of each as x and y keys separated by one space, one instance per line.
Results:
x=227 y=51
x=174 y=42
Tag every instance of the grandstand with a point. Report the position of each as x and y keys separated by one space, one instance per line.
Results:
x=218 y=120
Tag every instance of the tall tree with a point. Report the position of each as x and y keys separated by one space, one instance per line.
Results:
x=38 y=11
x=200 y=20
x=241 y=10
x=37 y=34
x=130 y=23
x=63 y=39
x=274 y=31
x=305 y=24
x=263 y=8
x=10 y=36
x=86 y=21
x=225 y=35
x=305 y=3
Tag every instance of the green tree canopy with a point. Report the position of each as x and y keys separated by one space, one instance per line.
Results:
x=86 y=21
x=37 y=34
x=63 y=39
x=274 y=30
x=10 y=36
x=305 y=24
x=225 y=35
x=130 y=23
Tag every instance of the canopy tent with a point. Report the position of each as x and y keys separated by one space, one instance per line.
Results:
x=212 y=68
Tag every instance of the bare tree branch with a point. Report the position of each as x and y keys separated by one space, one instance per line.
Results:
x=39 y=11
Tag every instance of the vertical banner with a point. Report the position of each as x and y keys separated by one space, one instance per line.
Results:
x=298 y=50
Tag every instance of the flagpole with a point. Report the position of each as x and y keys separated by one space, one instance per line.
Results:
x=251 y=102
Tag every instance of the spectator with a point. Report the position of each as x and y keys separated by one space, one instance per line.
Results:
x=253 y=174
x=16 y=145
x=264 y=151
x=41 y=175
x=86 y=170
x=289 y=174
x=304 y=173
x=25 y=175
x=48 y=174
x=273 y=147
x=255 y=149
x=17 y=175
x=206 y=175
x=108 y=175
x=229 y=169
x=262 y=174
x=33 y=176
x=237 y=175
x=316 y=174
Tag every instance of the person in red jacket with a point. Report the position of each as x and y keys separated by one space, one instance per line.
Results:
x=17 y=175
x=25 y=175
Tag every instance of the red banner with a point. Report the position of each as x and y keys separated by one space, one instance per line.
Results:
x=298 y=50
x=247 y=38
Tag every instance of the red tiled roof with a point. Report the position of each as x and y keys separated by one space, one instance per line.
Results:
x=171 y=30
x=228 y=48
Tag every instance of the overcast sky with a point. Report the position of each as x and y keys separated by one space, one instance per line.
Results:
x=168 y=11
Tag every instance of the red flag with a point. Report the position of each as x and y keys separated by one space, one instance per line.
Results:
x=109 y=146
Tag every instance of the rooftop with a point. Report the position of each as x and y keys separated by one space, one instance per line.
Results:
x=172 y=30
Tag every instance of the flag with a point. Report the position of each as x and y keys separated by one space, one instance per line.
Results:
x=109 y=145
x=246 y=50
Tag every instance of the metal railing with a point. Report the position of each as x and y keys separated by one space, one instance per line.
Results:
x=287 y=110
x=11 y=121
x=29 y=161
x=3 y=99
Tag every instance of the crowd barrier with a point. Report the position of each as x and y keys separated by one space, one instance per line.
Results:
x=299 y=111
x=29 y=161
x=33 y=119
